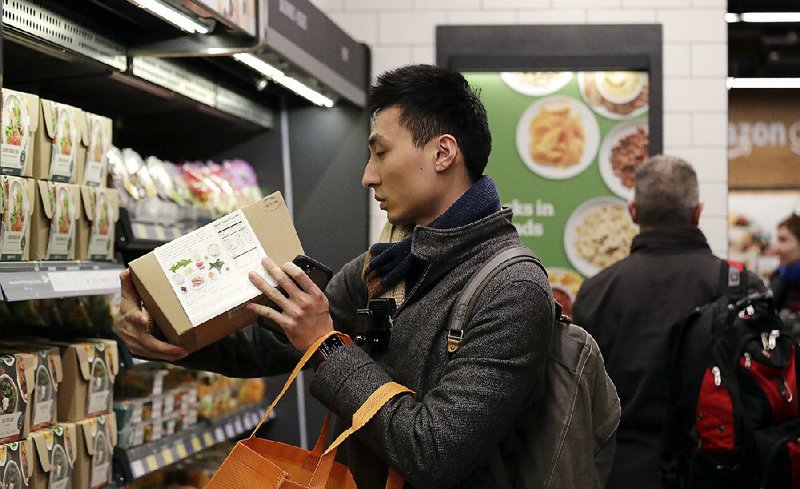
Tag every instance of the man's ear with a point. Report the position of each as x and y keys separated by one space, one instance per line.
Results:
x=632 y=212
x=446 y=152
x=696 y=214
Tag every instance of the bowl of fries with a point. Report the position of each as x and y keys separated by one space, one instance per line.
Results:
x=536 y=83
x=557 y=137
x=565 y=284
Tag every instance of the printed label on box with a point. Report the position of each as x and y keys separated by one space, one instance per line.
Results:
x=99 y=388
x=16 y=135
x=208 y=268
x=100 y=237
x=16 y=220
x=65 y=145
x=10 y=424
x=101 y=460
x=94 y=171
x=62 y=226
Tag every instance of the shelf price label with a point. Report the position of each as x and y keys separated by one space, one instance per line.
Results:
x=151 y=462
x=208 y=439
x=196 y=446
x=180 y=448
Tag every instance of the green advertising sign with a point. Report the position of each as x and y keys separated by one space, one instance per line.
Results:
x=565 y=148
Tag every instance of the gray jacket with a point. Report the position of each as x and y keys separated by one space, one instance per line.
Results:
x=466 y=403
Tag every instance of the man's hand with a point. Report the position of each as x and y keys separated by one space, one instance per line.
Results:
x=132 y=325
x=305 y=314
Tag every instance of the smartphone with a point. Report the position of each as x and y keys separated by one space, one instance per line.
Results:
x=319 y=273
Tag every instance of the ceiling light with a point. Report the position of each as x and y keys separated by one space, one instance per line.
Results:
x=763 y=17
x=763 y=82
x=172 y=15
x=282 y=78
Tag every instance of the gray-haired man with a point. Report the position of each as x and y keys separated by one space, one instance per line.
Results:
x=631 y=307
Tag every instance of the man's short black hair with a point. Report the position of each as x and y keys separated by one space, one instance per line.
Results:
x=436 y=101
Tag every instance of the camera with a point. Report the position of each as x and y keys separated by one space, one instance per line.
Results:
x=374 y=323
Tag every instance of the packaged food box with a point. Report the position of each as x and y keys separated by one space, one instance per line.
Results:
x=89 y=368
x=20 y=126
x=96 y=224
x=47 y=375
x=99 y=132
x=60 y=142
x=134 y=411
x=57 y=208
x=146 y=381
x=16 y=382
x=195 y=287
x=96 y=439
x=16 y=208
x=16 y=462
x=54 y=451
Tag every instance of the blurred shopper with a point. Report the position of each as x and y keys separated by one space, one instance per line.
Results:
x=631 y=307
x=785 y=281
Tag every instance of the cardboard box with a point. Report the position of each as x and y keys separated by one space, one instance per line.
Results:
x=99 y=132
x=17 y=199
x=16 y=381
x=60 y=142
x=89 y=369
x=16 y=461
x=96 y=225
x=57 y=210
x=196 y=286
x=47 y=375
x=20 y=126
x=96 y=439
x=54 y=450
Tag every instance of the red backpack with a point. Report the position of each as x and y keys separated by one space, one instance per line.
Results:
x=734 y=417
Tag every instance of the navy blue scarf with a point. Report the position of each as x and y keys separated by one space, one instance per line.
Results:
x=390 y=263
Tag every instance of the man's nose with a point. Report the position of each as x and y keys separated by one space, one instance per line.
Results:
x=370 y=176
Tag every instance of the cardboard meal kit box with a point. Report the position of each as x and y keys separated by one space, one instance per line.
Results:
x=16 y=460
x=96 y=439
x=195 y=287
x=17 y=197
x=99 y=131
x=96 y=224
x=20 y=126
x=57 y=210
x=16 y=382
x=46 y=375
x=54 y=450
x=60 y=142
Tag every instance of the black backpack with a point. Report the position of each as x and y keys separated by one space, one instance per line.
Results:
x=734 y=412
x=568 y=440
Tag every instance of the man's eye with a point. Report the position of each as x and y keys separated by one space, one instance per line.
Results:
x=380 y=154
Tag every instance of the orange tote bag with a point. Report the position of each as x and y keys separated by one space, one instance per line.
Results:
x=257 y=463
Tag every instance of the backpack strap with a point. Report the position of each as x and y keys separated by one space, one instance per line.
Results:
x=469 y=294
x=732 y=279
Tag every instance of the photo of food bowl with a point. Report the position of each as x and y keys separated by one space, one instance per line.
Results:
x=66 y=133
x=598 y=234
x=62 y=216
x=15 y=121
x=557 y=137
x=12 y=476
x=565 y=284
x=624 y=150
x=102 y=218
x=616 y=94
x=44 y=384
x=9 y=395
x=18 y=206
x=536 y=83
x=99 y=380
x=59 y=466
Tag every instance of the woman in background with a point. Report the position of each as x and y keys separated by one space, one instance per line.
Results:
x=785 y=281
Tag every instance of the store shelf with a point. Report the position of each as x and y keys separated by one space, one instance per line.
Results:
x=142 y=460
x=53 y=279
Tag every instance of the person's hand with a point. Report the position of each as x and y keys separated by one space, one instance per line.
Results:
x=132 y=326
x=305 y=313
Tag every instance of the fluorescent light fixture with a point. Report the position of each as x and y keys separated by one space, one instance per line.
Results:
x=172 y=15
x=282 y=78
x=763 y=82
x=763 y=17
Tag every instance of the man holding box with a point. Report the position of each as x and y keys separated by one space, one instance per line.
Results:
x=429 y=145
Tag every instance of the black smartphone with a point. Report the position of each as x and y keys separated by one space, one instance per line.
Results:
x=319 y=273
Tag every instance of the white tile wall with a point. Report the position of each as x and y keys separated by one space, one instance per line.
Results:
x=695 y=65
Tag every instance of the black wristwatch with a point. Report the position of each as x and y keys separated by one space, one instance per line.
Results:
x=327 y=348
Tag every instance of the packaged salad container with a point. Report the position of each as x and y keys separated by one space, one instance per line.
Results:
x=16 y=208
x=20 y=126
x=57 y=209
x=60 y=142
x=96 y=225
